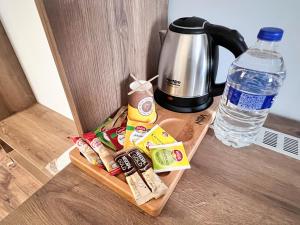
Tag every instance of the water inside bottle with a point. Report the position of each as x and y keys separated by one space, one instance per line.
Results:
x=237 y=124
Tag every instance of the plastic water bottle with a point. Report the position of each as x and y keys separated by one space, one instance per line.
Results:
x=253 y=82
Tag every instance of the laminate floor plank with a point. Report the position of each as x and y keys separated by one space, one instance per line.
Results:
x=16 y=184
x=38 y=134
x=42 y=175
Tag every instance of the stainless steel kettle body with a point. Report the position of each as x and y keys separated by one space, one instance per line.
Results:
x=188 y=63
x=184 y=65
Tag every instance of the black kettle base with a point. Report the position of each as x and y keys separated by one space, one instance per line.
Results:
x=182 y=105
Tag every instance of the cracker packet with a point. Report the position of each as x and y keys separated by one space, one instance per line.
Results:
x=156 y=136
x=134 y=131
x=169 y=157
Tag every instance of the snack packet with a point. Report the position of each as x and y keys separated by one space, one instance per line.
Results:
x=141 y=192
x=134 y=131
x=116 y=136
x=169 y=157
x=157 y=186
x=102 y=136
x=87 y=152
x=105 y=155
x=156 y=136
x=120 y=118
x=104 y=126
x=105 y=140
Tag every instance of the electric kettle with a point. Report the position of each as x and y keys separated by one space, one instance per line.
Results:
x=189 y=61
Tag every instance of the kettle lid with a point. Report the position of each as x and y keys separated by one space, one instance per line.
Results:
x=188 y=25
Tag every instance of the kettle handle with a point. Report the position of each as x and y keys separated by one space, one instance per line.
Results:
x=229 y=39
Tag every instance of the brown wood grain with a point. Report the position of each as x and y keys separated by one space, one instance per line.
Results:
x=96 y=44
x=185 y=127
x=40 y=174
x=225 y=186
x=4 y=112
x=16 y=184
x=15 y=92
x=38 y=134
x=290 y=126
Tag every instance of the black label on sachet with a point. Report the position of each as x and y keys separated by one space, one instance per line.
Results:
x=139 y=160
x=125 y=163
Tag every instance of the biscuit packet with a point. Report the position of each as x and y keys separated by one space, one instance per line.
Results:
x=169 y=157
x=120 y=119
x=102 y=136
x=156 y=136
x=116 y=136
x=106 y=132
x=134 y=131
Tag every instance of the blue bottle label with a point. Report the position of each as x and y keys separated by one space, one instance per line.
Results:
x=249 y=101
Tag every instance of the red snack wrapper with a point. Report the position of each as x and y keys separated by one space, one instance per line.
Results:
x=108 y=160
x=117 y=136
x=91 y=156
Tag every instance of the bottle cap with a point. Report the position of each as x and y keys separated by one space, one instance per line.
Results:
x=270 y=34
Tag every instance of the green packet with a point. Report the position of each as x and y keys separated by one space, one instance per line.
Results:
x=169 y=157
x=102 y=136
x=102 y=127
x=105 y=140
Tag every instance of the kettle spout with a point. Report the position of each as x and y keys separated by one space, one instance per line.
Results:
x=162 y=35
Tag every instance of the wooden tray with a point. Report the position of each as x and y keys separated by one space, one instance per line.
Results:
x=189 y=128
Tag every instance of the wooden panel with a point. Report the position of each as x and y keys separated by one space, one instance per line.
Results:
x=4 y=112
x=96 y=43
x=189 y=128
x=16 y=185
x=38 y=134
x=15 y=92
x=224 y=186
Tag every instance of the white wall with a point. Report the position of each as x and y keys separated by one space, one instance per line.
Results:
x=248 y=17
x=24 y=29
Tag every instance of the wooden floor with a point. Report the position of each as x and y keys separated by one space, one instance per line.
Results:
x=16 y=184
x=38 y=134
x=245 y=186
x=31 y=139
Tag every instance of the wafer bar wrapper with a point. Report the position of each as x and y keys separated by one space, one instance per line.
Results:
x=91 y=156
x=105 y=155
x=156 y=185
x=139 y=189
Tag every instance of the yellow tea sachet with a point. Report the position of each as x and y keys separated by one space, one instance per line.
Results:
x=134 y=131
x=169 y=157
x=156 y=136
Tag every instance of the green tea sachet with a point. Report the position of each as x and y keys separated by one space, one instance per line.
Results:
x=169 y=157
